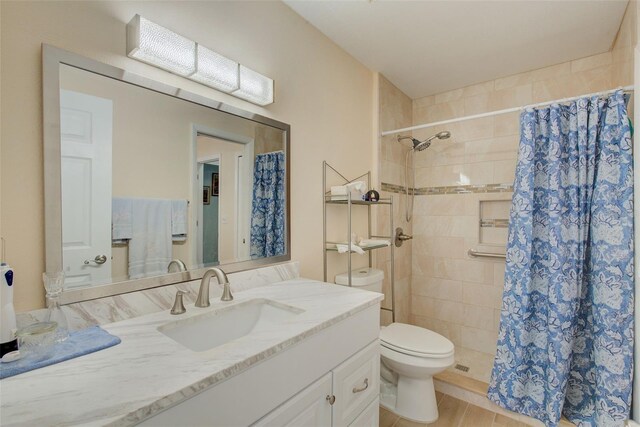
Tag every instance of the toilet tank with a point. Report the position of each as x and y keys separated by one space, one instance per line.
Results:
x=366 y=278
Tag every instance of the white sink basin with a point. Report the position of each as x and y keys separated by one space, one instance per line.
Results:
x=217 y=327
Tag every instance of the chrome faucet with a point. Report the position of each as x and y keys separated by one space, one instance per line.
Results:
x=181 y=265
x=203 y=293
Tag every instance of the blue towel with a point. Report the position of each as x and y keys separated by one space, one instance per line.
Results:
x=79 y=343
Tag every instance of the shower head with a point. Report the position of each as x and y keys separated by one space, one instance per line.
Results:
x=419 y=146
x=423 y=145
x=445 y=134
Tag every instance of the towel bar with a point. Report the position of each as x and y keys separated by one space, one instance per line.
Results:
x=476 y=254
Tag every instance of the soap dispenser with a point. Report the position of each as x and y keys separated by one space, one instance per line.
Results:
x=8 y=340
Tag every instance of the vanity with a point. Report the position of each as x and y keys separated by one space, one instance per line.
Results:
x=313 y=359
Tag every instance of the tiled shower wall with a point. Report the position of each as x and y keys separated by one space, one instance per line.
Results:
x=452 y=293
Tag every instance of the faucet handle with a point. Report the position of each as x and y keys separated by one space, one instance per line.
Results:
x=226 y=292
x=178 y=305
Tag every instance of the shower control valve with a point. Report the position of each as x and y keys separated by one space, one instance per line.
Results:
x=401 y=237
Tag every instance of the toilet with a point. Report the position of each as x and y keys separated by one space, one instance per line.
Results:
x=410 y=357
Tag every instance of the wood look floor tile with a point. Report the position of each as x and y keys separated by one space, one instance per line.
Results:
x=504 y=421
x=387 y=418
x=406 y=423
x=451 y=412
x=477 y=417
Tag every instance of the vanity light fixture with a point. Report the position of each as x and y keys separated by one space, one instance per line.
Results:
x=151 y=43
x=158 y=46
x=216 y=71
x=254 y=87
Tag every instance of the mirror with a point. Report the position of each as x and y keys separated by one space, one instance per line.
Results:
x=149 y=174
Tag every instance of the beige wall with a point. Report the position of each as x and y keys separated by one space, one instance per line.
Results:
x=395 y=112
x=324 y=94
x=453 y=294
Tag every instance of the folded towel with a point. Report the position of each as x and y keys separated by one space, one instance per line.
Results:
x=356 y=187
x=179 y=223
x=78 y=344
x=374 y=242
x=342 y=248
x=121 y=219
x=355 y=190
x=339 y=190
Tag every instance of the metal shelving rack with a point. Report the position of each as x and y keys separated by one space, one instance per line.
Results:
x=331 y=246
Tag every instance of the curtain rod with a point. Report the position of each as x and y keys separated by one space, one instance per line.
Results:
x=505 y=111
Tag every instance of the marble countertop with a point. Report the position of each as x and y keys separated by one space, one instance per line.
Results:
x=149 y=372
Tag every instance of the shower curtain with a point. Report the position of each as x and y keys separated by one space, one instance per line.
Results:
x=268 y=207
x=565 y=343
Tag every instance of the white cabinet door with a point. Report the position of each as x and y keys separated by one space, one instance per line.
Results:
x=85 y=145
x=310 y=408
x=369 y=417
x=356 y=383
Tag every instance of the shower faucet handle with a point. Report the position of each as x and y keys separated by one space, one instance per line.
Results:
x=401 y=237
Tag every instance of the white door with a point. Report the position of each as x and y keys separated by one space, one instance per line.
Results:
x=86 y=132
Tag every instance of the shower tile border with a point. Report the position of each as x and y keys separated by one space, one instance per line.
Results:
x=494 y=223
x=453 y=189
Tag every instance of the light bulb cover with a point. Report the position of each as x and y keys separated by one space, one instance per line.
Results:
x=215 y=70
x=158 y=46
x=254 y=87
x=152 y=43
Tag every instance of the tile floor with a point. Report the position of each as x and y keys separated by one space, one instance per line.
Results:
x=453 y=413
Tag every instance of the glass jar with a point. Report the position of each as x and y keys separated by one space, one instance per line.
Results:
x=36 y=341
x=54 y=285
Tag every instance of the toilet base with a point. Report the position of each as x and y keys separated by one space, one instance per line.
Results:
x=413 y=399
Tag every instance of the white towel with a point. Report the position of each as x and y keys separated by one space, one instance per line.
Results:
x=150 y=248
x=374 y=242
x=179 y=225
x=121 y=219
x=342 y=248
x=356 y=187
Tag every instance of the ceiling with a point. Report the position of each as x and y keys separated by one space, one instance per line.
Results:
x=426 y=47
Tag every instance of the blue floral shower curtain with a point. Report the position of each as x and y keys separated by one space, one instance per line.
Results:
x=565 y=343
x=268 y=207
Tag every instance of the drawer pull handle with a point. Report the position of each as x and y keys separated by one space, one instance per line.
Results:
x=331 y=399
x=363 y=388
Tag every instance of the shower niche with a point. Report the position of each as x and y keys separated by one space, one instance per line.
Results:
x=493 y=225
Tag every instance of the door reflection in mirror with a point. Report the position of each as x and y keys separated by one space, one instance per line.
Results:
x=225 y=220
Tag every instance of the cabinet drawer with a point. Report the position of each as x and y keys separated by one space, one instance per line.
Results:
x=370 y=417
x=310 y=408
x=356 y=383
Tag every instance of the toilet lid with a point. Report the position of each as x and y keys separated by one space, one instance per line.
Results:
x=413 y=339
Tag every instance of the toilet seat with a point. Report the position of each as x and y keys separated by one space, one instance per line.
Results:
x=415 y=341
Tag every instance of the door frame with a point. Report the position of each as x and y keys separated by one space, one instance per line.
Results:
x=196 y=214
